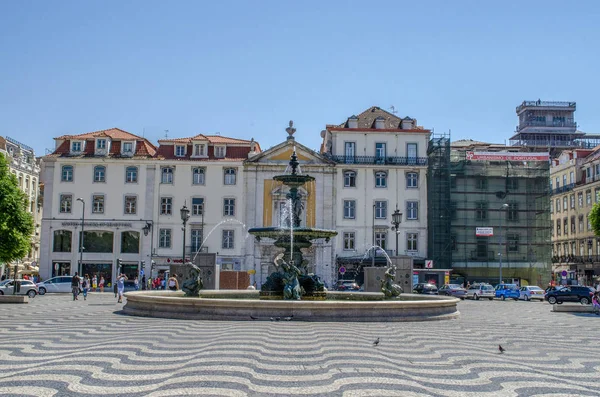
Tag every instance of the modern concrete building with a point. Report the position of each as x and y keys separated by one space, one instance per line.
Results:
x=26 y=168
x=575 y=188
x=381 y=166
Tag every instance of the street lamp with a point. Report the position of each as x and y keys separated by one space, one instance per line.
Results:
x=502 y=209
x=81 y=238
x=185 y=215
x=396 y=220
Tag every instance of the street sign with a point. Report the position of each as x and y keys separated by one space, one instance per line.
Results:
x=484 y=231
x=342 y=270
x=428 y=264
x=564 y=273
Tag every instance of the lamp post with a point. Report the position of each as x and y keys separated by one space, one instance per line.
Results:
x=147 y=229
x=396 y=220
x=502 y=209
x=81 y=238
x=185 y=215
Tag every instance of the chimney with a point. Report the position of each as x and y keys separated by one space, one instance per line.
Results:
x=252 y=151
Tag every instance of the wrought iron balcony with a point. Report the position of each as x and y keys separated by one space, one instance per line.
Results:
x=563 y=189
x=387 y=160
x=576 y=259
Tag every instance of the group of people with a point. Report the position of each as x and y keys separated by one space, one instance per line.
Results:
x=82 y=285
x=161 y=282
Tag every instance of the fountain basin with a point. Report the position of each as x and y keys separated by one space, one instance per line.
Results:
x=239 y=305
x=280 y=232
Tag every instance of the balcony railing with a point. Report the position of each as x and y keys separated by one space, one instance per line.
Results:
x=563 y=189
x=554 y=123
x=576 y=259
x=560 y=104
x=379 y=160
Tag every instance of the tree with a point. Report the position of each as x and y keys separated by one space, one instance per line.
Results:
x=16 y=224
x=595 y=218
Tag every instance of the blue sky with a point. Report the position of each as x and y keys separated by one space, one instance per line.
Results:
x=244 y=69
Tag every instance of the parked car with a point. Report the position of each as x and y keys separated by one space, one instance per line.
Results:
x=510 y=291
x=531 y=292
x=477 y=291
x=347 y=285
x=425 y=288
x=26 y=287
x=55 y=284
x=454 y=290
x=571 y=293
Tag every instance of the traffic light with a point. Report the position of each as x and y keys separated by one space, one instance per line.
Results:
x=119 y=266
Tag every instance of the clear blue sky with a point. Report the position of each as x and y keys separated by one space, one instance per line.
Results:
x=246 y=68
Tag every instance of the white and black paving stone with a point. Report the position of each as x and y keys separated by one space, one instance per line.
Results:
x=54 y=346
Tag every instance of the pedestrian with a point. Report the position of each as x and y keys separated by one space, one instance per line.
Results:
x=596 y=303
x=120 y=286
x=101 y=284
x=468 y=284
x=173 y=283
x=143 y=282
x=163 y=283
x=75 y=286
x=115 y=286
x=85 y=286
x=95 y=283
x=136 y=283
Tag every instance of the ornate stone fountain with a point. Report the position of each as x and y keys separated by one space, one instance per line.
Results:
x=291 y=280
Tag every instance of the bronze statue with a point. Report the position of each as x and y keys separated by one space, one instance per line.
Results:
x=389 y=289
x=291 y=289
x=193 y=284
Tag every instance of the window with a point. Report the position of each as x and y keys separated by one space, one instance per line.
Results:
x=411 y=153
x=557 y=205
x=127 y=147
x=381 y=239
x=551 y=206
x=164 y=238
x=565 y=180
x=565 y=203
x=229 y=174
x=220 y=151
x=349 y=209
x=227 y=239
x=581 y=223
x=580 y=199
x=198 y=176
x=380 y=209
x=381 y=179
x=101 y=144
x=197 y=206
x=572 y=200
x=67 y=173
x=99 y=173
x=349 y=179
x=412 y=180
x=512 y=184
x=228 y=207
x=130 y=205
x=130 y=242
x=76 y=146
x=481 y=248
x=588 y=173
x=481 y=183
x=513 y=212
x=167 y=175
x=131 y=175
x=512 y=242
x=380 y=149
x=62 y=241
x=166 y=206
x=566 y=226
x=349 y=240
x=98 y=204
x=571 y=177
x=66 y=200
x=589 y=223
x=97 y=241
x=588 y=197
x=179 y=150
x=412 y=242
x=349 y=152
x=199 y=150
x=196 y=236
x=557 y=183
x=412 y=210
x=597 y=194
x=558 y=228
x=481 y=210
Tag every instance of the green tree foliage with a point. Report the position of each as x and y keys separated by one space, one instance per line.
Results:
x=16 y=224
x=595 y=218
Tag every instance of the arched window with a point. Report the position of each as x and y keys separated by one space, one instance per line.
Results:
x=131 y=175
x=62 y=241
x=99 y=173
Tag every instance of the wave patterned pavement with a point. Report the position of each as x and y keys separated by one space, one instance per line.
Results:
x=57 y=347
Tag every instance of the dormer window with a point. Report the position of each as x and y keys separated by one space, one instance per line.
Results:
x=128 y=148
x=101 y=144
x=76 y=146
x=179 y=150
x=199 y=150
x=220 y=151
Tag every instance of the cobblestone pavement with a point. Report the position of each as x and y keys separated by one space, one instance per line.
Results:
x=55 y=346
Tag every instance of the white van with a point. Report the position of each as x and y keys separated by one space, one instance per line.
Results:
x=55 y=284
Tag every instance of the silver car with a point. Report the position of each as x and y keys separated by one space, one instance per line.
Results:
x=531 y=292
x=27 y=288
x=477 y=291
x=56 y=284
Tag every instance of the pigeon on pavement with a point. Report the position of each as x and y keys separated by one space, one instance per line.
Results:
x=376 y=342
x=501 y=349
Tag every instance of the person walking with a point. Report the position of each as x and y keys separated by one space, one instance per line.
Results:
x=173 y=283
x=85 y=286
x=75 y=286
x=101 y=284
x=95 y=283
x=120 y=286
x=136 y=284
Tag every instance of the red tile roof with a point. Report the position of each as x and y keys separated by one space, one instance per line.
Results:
x=143 y=147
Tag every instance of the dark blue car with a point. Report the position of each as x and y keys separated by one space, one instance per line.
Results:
x=508 y=291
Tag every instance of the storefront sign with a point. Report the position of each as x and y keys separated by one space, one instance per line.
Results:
x=507 y=156
x=99 y=224
x=484 y=231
